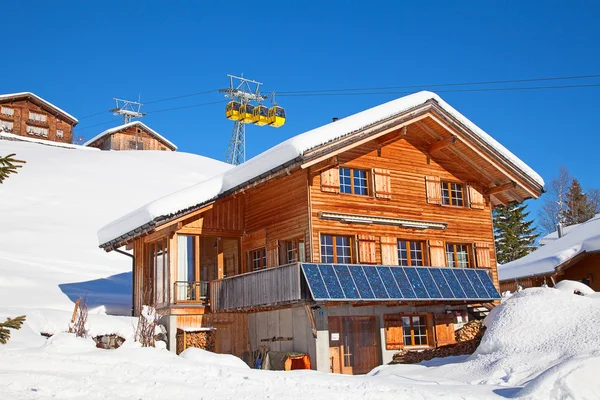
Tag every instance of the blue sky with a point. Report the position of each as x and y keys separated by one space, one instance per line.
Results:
x=79 y=55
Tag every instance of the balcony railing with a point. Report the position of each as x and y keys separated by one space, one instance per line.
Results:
x=191 y=292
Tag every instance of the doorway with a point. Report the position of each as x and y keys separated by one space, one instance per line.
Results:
x=353 y=345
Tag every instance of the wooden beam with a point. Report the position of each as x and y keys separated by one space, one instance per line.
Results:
x=443 y=143
x=501 y=188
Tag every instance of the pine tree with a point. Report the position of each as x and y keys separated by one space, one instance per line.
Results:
x=580 y=208
x=14 y=323
x=8 y=165
x=514 y=234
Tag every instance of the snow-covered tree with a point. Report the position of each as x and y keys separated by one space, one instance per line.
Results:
x=9 y=165
x=580 y=206
x=514 y=234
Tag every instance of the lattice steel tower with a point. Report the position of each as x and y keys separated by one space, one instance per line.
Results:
x=242 y=91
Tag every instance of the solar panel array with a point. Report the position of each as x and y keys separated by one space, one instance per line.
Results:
x=369 y=282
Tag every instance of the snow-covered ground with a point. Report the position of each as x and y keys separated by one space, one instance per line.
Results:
x=541 y=343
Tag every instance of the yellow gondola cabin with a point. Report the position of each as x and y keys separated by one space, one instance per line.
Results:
x=276 y=116
x=232 y=111
x=261 y=115
x=246 y=115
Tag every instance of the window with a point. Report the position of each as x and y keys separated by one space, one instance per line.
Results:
x=37 y=117
x=457 y=255
x=6 y=126
x=59 y=133
x=8 y=111
x=159 y=265
x=258 y=259
x=293 y=251
x=136 y=145
x=452 y=194
x=354 y=181
x=336 y=249
x=414 y=330
x=37 y=131
x=410 y=254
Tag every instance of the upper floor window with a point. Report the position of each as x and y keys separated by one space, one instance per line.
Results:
x=136 y=145
x=7 y=111
x=354 y=181
x=59 y=133
x=37 y=131
x=458 y=255
x=258 y=259
x=37 y=116
x=6 y=126
x=336 y=249
x=293 y=251
x=410 y=253
x=452 y=194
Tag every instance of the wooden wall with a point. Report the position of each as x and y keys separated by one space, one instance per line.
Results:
x=587 y=268
x=122 y=140
x=406 y=159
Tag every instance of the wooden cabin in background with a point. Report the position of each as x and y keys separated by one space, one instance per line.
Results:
x=574 y=255
x=28 y=115
x=132 y=136
x=349 y=242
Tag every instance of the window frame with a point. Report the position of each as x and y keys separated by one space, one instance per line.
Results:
x=469 y=249
x=262 y=259
x=334 y=237
x=285 y=250
x=412 y=330
x=33 y=116
x=352 y=186
x=60 y=133
x=5 y=127
x=424 y=258
x=9 y=113
x=452 y=201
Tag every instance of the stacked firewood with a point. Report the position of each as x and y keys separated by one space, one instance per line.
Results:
x=468 y=338
x=198 y=339
x=471 y=330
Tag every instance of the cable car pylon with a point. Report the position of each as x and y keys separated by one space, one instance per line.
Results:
x=241 y=111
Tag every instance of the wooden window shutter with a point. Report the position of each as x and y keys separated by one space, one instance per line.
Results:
x=434 y=189
x=444 y=329
x=476 y=199
x=389 y=251
x=437 y=253
x=366 y=249
x=330 y=180
x=272 y=253
x=394 y=340
x=430 y=330
x=382 y=185
x=482 y=253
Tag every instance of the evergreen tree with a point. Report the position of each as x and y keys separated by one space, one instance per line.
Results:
x=8 y=165
x=10 y=323
x=514 y=234
x=580 y=207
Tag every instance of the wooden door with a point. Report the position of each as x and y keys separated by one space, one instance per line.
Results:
x=353 y=344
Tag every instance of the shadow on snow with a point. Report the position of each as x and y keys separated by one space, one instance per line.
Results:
x=113 y=293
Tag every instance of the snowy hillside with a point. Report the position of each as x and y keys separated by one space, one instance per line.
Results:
x=51 y=211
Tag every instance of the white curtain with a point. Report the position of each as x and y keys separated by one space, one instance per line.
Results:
x=182 y=266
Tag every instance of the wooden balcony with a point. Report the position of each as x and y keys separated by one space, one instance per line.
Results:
x=259 y=289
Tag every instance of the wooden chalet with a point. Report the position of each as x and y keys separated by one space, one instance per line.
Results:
x=574 y=255
x=28 y=115
x=348 y=242
x=132 y=136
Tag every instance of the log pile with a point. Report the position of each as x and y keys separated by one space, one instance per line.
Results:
x=468 y=338
x=204 y=339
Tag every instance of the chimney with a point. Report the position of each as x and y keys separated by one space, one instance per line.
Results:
x=334 y=119
x=559 y=229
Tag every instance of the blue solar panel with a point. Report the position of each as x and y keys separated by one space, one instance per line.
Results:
x=376 y=283
x=367 y=282
x=361 y=282
x=346 y=281
x=430 y=285
x=403 y=283
x=437 y=275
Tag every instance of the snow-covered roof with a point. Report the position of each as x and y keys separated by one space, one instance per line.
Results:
x=125 y=126
x=584 y=237
x=551 y=237
x=11 y=136
x=285 y=152
x=38 y=98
